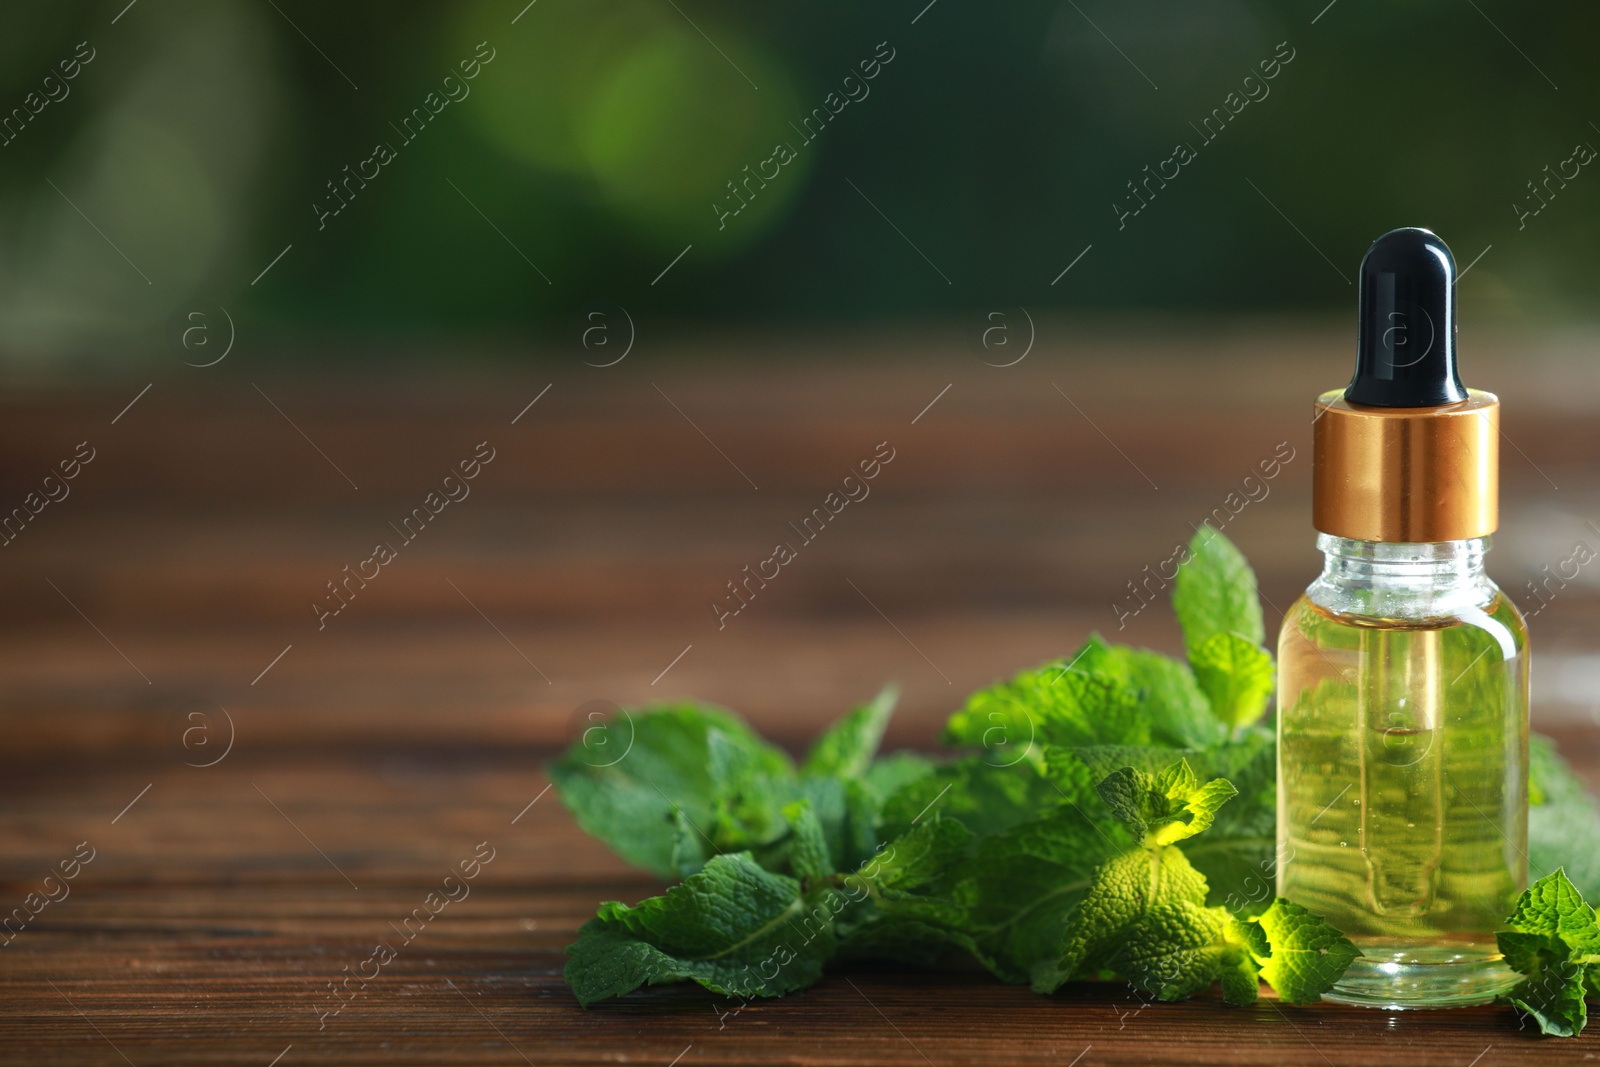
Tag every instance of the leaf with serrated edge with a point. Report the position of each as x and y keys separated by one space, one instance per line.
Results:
x=1554 y=942
x=1237 y=677
x=675 y=758
x=846 y=749
x=733 y=927
x=1303 y=956
x=1166 y=807
x=1215 y=592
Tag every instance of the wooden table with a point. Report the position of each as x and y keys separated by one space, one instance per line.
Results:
x=163 y=609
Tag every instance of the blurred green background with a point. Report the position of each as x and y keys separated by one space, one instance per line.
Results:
x=597 y=144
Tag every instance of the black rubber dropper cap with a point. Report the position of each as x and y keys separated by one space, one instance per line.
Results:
x=1406 y=352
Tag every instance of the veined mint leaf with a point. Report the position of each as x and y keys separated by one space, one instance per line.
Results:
x=918 y=858
x=1165 y=807
x=1054 y=704
x=1215 y=592
x=864 y=800
x=1143 y=916
x=1554 y=941
x=1299 y=954
x=1241 y=974
x=704 y=762
x=808 y=848
x=732 y=927
x=907 y=882
x=887 y=776
x=1236 y=675
x=1020 y=888
x=1102 y=760
x=1237 y=853
x=987 y=798
x=1563 y=819
x=847 y=748
x=1170 y=700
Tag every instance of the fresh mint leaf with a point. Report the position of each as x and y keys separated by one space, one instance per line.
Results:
x=1166 y=807
x=1554 y=941
x=702 y=761
x=888 y=775
x=917 y=858
x=1237 y=854
x=1170 y=700
x=1102 y=760
x=690 y=849
x=1053 y=704
x=906 y=882
x=847 y=748
x=1143 y=917
x=1236 y=675
x=864 y=800
x=1299 y=954
x=1240 y=973
x=1563 y=819
x=988 y=799
x=1215 y=592
x=808 y=847
x=1018 y=889
x=733 y=927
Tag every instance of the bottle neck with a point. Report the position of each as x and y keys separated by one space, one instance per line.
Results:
x=1396 y=580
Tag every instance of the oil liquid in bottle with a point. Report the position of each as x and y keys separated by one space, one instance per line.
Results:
x=1403 y=793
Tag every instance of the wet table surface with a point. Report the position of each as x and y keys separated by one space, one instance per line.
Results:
x=268 y=787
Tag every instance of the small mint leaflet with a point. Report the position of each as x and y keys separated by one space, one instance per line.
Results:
x=1166 y=807
x=1299 y=954
x=1554 y=942
x=1215 y=592
x=733 y=927
x=846 y=749
x=1236 y=676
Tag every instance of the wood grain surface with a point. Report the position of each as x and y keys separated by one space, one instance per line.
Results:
x=159 y=619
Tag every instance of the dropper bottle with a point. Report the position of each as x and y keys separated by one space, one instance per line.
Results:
x=1403 y=670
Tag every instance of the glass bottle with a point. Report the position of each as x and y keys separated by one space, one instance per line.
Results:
x=1403 y=749
x=1403 y=670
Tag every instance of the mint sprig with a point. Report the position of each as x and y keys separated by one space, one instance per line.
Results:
x=1553 y=940
x=1114 y=815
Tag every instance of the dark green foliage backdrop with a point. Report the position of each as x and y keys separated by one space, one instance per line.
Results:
x=596 y=145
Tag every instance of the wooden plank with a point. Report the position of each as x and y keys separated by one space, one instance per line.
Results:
x=379 y=751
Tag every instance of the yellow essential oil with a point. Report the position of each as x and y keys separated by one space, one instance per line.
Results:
x=1403 y=670
x=1402 y=793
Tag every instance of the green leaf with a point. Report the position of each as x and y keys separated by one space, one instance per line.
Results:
x=917 y=858
x=1563 y=819
x=887 y=776
x=1237 y=854
x=808 y=848
x=1021 y=888
x=862 y=829
x=1053 y=704
x=1554 y=941
x=626 y=780
x=732 y=927
x=1143 y=917
x=1215 y=592
x=1170 y=700
x=1241 y=974
x=988 y=799
x=847 y=748
x=1236 y=675
x=1299 y=954
x=1102 y=760
x=1165 y=807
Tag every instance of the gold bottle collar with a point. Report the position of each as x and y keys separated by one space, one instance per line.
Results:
x=1406 y=474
